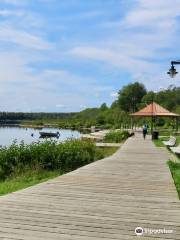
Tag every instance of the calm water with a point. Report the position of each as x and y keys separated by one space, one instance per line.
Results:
x=9 y=134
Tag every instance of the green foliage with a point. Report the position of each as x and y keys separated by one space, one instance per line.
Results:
x=147 y=99
x=130 y=96
x=19 y=116
x=27 y=179
x=175 y=171
x=89 y=113
x=158 y=143
x=71 y=156
x=169 y=98
x=103 y=107
x=116 y=136
x=101 y=119
x=166 y=135
x=102 y=152
x=48 y=155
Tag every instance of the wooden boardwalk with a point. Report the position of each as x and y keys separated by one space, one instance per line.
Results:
x=105 y=200
x=108 y=144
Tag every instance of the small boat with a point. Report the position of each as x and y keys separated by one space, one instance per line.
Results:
x=49 y=134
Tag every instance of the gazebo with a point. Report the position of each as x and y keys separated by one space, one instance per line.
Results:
x=154 y=110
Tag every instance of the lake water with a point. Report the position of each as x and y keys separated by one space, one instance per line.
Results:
x=9 y=134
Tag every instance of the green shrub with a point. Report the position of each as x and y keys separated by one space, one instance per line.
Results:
x=116 y=136
x=64 y=157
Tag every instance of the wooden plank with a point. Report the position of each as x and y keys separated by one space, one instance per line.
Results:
x=107 y=199
x=108 y=145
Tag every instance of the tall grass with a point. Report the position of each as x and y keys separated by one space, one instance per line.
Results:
x=48 y=155
x=26 y=179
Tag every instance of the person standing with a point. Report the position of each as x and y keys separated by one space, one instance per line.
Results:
x=144 y=131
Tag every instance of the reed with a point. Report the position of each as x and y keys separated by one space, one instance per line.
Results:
x=116 y=136
x=48 y=155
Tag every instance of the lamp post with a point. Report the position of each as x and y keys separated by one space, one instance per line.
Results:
x=172 y=71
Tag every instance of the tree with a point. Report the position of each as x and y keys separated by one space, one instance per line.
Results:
x=170 y=98
x=147 y=99
x=103 y=107
x=101 y=119
x=130 y=96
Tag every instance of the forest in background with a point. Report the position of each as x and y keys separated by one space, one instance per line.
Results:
x=131 y=98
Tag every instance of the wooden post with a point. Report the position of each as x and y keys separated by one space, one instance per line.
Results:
x=152 y=119
x=177 y=123
x=132 y=123
x=152 y=124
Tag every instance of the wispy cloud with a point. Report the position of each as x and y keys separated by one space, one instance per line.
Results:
x=23 y=38
x=60 y=105
x=9 y=13
x=139 y=38
x=14 y=2
x=65 y=55
x=110 y=56
x=114 y=95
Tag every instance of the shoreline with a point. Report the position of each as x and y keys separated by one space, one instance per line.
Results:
x=34 y=126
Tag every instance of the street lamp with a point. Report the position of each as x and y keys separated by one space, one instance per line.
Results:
x=172 y=71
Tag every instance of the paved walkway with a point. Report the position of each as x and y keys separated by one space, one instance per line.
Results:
x=104 y=200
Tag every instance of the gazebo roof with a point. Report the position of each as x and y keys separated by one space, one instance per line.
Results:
x=154 y=109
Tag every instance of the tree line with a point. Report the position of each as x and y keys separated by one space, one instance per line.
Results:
x=34 y=116
x=131 y=98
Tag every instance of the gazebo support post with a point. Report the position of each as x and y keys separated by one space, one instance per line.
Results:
x=152 y=124
x=177 y=124
x=131 y=123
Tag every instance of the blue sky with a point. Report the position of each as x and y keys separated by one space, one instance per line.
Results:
x=66 y=55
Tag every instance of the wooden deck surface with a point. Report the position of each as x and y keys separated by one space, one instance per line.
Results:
x=108 y=144
x=106 y=200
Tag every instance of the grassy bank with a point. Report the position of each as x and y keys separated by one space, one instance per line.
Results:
x=29 y=178
x=173 y=166
x=175 y=171
x=25 y=165
x=159 y=142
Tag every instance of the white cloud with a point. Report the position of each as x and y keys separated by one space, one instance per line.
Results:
x=22 y=38
x=114 y=94
x=115 y=58
x=15 y=2
x=82 y=107
x=60 y=105
x=131 y=44
x=8 y=13
x=151 y=13
x=24 y=88
x=138 y=39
